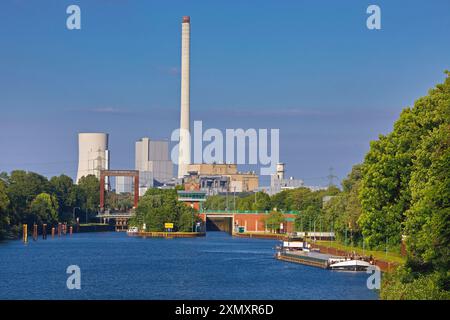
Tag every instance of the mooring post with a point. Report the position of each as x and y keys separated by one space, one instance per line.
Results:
x=44 y=231
x=53 y=232
x=35 y=232
x=59 y=229
x=25 y=233
x=70 y=230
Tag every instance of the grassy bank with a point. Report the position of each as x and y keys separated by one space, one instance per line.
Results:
x=92 y=224
x=379 y=255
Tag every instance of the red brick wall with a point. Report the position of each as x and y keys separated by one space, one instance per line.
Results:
x=254 y=222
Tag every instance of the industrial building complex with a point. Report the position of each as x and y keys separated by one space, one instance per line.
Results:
x=154 y=168
x=153 y=163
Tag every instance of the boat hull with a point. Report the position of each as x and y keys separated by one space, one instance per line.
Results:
x=350 y=265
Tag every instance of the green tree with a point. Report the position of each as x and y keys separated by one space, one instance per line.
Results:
x=23 y=187
x=263 y=202
x=43 y=209
x=386 y=173
x=215 y=202
x=273 y=221
x=89 y=193
x=62 y=187
x=428 y=219
x=187 y=219
x=4 y=216
x=281 y=200
x=342 y=212
x=309 y=218
x=160 y=206
x=245 y=203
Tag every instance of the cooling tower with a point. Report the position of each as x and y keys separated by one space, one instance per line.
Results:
x=184 y=149
x=93 y=154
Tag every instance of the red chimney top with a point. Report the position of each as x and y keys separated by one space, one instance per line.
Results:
x=186 y=19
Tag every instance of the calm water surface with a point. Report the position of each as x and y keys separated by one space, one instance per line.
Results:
x=115 y=266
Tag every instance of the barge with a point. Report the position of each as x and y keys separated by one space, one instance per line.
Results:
x=303 y=253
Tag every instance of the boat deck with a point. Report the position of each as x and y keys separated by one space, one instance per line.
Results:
x=314 y=259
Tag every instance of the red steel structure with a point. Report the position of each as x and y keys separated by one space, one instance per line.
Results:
x=118 y=173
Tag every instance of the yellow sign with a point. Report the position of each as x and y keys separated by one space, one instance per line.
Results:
x=168 y=225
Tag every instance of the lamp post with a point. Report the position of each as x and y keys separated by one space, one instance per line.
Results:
x=227 y=208
x=314 y=230
x=234 y=199
x=73 y=212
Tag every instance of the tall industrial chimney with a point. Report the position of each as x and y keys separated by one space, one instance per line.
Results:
x=184 y=151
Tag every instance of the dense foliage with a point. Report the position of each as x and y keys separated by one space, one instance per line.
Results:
x=344 y=210
x=27 y=197
x=388 y=169
x=159 y=206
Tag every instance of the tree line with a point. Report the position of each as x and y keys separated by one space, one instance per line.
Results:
x=401 y=192
x=28 y=197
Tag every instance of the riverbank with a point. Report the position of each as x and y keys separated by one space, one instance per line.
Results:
x=260 y=235
x=393 y=257
x=387 y=262
x=156 y=234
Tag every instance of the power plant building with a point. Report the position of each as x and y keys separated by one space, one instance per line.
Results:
x=153 y=163
x=124 y=184
x=209 y=176
x=93 y=154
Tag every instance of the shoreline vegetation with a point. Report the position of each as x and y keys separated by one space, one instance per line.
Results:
x=399 y=195
x=30 y=198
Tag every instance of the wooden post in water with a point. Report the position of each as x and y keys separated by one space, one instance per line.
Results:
x=35 y=233
x=70 y=230
x=25 y=233
x=64 y=228
x=53 y=232
x=44 y=231
x=59 y=229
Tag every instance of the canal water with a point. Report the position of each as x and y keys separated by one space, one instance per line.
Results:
x=116 y=266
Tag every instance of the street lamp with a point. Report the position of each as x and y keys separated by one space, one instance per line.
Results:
x=234 y=199
x=73 y=212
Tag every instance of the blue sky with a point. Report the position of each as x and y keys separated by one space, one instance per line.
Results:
x=310 y=68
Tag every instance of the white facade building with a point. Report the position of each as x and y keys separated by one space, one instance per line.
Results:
x=124 y=184
x=153 y=163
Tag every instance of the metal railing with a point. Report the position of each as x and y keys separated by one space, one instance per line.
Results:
x=246 y=211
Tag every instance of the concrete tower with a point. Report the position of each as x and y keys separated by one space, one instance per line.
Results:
x=93 y=154
x=184 y=147
x=280 y=171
